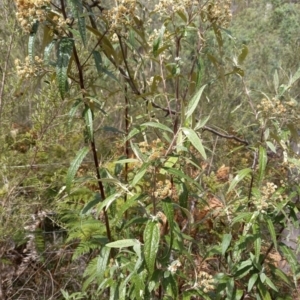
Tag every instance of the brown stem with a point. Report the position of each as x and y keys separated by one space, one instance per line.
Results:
x=177 y=98
x=92 y=141
x=127 y=146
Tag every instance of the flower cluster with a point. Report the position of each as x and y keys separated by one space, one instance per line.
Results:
x=163 y=189
x=121 y=15
x=155 y=149
x=31 y=11
x=28 y=69
x=167 y=7
x=277 y=108
x=174 y=266
x=267 y=192
x=219 y=12
x=206 y=281
x=58 y=24
x=274 y=107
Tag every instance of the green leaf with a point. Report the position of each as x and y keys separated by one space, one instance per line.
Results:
x=295 y=77
x=262 y=163
x=271 y=146
x=265 y=295
x=243 y=55
x=262 y=277
x=171 y=161
x=195 y=140
x=280 y=274
x=157 y=125
x=89 y=117
x=138 y=153
x=252 y=281
x=126 y=161
x=243 y=268
x=168 y=209
x=140 y=173
x=139 y=287
x=238 y=178
x=97 y=267
x=77 y=11
x=73 y=111
x=183 y=196
x=182 y=15
x=181 y=175
x=217 y=31
x=257 y=241
x=129 y=203
x=201 y=123
x=81 y=154
x=243 y=216
x=290 y=256
x=194 y=102
x=171 y=287
x=226 y=242
x=271 y=284
x=65 y=48
x=98 y=60
x=108 y=201
x=158 y=41
x=272 y=232
x=47 y=51
x=31 y=41
x=101 y=68
x=123 y=243
x=92 y=203
x=151 y=240
x=230 y=288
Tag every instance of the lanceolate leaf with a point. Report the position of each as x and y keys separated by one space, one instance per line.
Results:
x=64 y=52
x=98 y=60
x=172 y=287
x=73 y=111
x=158 y=41
x=181 y=175
x=252 y=281
x=195 y=140
x=140 y=174
x=243 y=55
x=157 y=125
x=96 y=268
x=88 y=117
x=99 y=66
x=92 y=203
x=47 y=51
x=128 y=204
x=226 y=242
x=264 y=294
x=262 y=163
x=272 y=232
x=257 y=242
x=238 y=178
x=75 y=166
x=123 y=243
x=31 y=41
x=151 y=239
x=194 y=102
x=77 y=10
x=168 y=209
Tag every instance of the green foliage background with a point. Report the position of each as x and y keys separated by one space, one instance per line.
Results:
x=151 y=154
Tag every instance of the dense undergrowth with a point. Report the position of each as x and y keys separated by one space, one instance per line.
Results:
x=149 y=150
